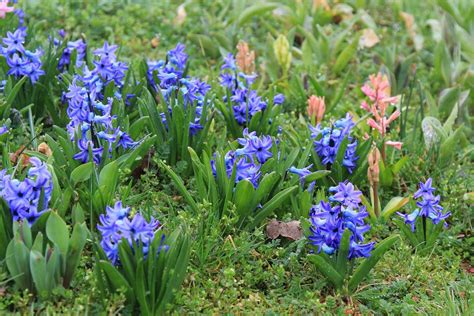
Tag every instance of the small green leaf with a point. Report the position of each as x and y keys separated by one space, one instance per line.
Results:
x=343 y=253
x=116 y=279
x=394 y=205
x=270 y=206
x=257 y=9
x=363 y=270
x=57 y=232
x=327 y=270
x=243 y=197
x=346 y=55
x=82 y=173
x=316 y=175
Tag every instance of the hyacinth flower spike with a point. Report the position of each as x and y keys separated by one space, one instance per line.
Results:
x=428 y=208
x=337 y=232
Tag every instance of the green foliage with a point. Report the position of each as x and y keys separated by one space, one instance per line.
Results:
x=150 y=281
x=44 y=259
x=174 y=136
x=425 y=236
x=338 y=268
x=222 y=192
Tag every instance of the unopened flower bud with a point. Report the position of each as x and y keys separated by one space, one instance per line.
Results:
x=373 y=171
x=281 y=48
x=316 y=108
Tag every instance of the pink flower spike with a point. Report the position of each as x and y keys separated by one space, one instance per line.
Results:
x=4 y=8
x=396 y=145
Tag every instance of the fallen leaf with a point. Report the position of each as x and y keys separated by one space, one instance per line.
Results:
x=368 y=39
x=44 y=149
x=180 y=15
x=25 y=159
x=291 y=230
x=412 y=29
x=155 y=42
x=321 y=4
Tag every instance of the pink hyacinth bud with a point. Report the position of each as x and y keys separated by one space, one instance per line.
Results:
x=375 y=125
x=316 y=108
x=4 y=8
x=393 y=117
x=396 y=145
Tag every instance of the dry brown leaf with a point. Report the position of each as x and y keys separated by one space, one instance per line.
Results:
x=44 y=149
x=321 y=4
x=180 y=16
x=25 y=159
x=368 y=39
x=291 y=230
x=155 y=42
x=412 y=29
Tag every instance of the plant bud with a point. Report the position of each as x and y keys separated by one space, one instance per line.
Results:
x=281 y=48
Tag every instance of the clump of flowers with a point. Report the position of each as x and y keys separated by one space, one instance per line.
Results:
x=29 y=198
x=428 y=206
x=330 y=219
x=118 y=224
x=21 y=62
x=328 y=139
x=172 y=82
x=91 y=119
x=248 y=159
x=245 y=101
x=378 y=92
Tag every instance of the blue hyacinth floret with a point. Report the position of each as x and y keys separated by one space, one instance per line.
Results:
x=21 y=62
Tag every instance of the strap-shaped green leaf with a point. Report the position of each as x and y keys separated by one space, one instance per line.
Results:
x=141 y=290
x=270 y=206
x=407 y=233
x=394 y=205
x=180 y=186
x=38 y=272
x=327 y=270
x=316 y=175
x=243 y=197
x=82 y=173
x=116 y=279
x=57 y=232
x=363 y=270
x=76 y=244
x=343 y=253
